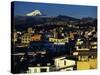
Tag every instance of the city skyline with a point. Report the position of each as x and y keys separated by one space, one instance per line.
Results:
x=77 y=11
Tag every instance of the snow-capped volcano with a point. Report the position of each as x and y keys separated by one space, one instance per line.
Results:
x=34 y=13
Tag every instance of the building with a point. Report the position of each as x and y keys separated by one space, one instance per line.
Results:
x=26 y=38
x=30 y=30
x=85 y=55
x=59 y=41
x=40 y=65
x=93 y=57
x=93 y=45
x=15 y=36
x=82 y=54
x=63 y=64
x=38 y=69
x=36 y=37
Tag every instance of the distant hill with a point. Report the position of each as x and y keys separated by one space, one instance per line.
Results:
x=22 y=22
x=67 y=18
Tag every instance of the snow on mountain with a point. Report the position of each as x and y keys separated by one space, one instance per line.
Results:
x=34 y=13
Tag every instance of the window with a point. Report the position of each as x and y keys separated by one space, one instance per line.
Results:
x=43 y=70
x=29 y=71
x=35 y=70
x=84 y=58
x=64 y=62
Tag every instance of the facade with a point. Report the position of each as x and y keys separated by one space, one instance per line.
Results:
x=64 y=64
x=38 y=69
x=93 y=45
x=15 y=36
x=29 y=30
x=36 y=37
x=26 y=38
x=59 y=41
x=86 y=56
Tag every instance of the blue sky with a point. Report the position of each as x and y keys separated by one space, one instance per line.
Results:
x=77 y=11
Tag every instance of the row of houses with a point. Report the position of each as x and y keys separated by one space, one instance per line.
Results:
x=60 y=64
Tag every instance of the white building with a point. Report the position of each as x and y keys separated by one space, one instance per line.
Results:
x=15 y=36
x=64 y=64
x=38 y=69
